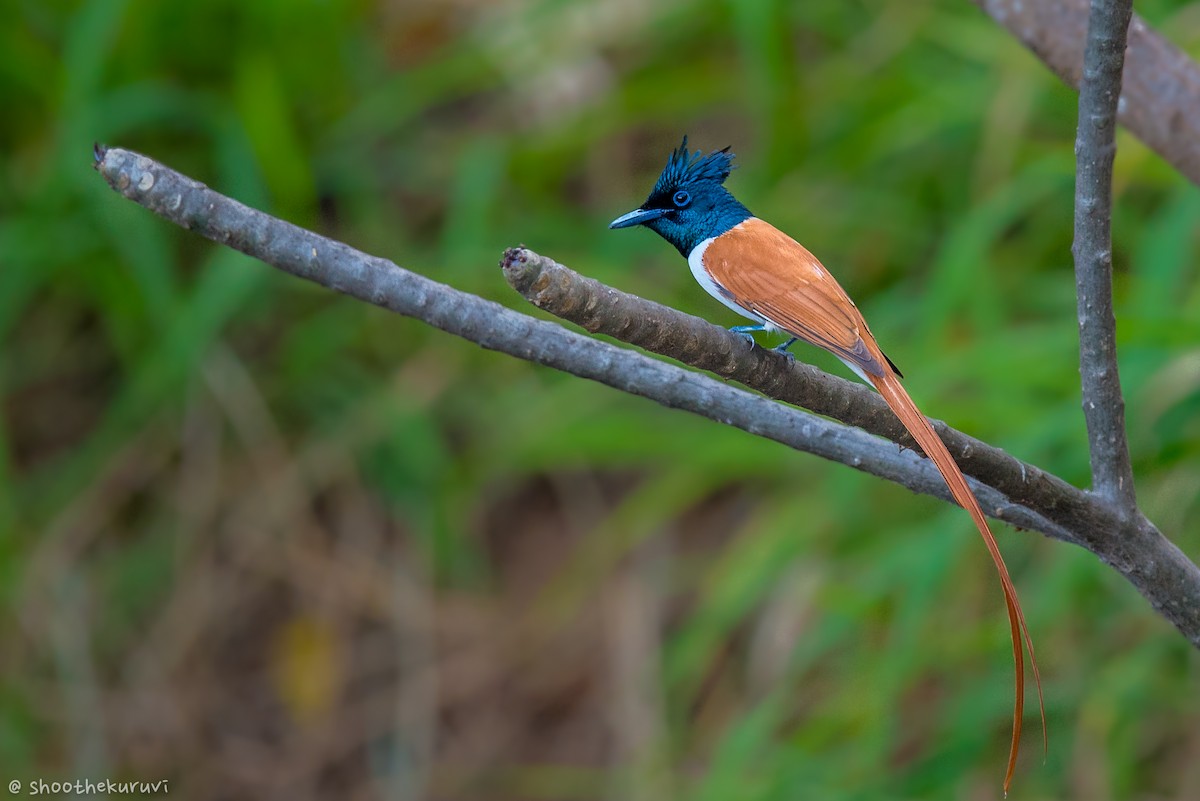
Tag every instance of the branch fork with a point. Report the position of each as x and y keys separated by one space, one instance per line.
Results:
x=862 y=434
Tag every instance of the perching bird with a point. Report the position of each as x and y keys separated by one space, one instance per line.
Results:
x=768 y=277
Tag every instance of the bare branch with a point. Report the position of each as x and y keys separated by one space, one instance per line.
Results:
x=1129 y=543
x=1134 y=547
x=192 y=205
x=661 y=329
x=1095 y=147
x=1161 y=104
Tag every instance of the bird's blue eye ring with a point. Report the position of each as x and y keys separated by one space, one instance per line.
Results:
x=681 y=199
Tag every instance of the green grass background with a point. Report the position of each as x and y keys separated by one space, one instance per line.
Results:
x=265 y=541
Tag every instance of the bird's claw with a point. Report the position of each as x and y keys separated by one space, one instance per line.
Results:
x=745 y=330
x=784 y=349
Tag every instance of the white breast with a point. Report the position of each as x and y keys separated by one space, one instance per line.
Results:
x=696 y=262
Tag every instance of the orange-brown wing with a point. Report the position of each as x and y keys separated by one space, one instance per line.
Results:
x=772 y=275
x=776 y=277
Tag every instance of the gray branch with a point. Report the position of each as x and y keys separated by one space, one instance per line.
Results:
x=669 y=332
x=1127 y=542
x=1033 y=499
x=1161 y=103
x=1095 y=147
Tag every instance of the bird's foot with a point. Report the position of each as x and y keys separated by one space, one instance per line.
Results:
x=783 y=349
x=746 y=331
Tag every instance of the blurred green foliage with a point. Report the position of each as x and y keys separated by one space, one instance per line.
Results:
x=224 y=493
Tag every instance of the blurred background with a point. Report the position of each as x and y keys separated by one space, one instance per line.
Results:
x=264 y=541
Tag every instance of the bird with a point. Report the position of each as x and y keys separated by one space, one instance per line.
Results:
x=769 y=278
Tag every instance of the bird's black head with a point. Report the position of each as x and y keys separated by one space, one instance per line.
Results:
x=689 y=203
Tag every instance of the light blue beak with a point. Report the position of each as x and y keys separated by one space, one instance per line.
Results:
x=637 y=217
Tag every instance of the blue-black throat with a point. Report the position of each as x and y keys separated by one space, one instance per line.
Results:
x=688 y=203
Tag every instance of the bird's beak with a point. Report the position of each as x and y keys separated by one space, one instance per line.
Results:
x=636 y=217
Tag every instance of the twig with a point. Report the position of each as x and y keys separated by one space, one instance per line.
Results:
x=669 y=332
x=1095 y=147
x=1161 y=104
x=1158 y=569
x=1128 y=543
x=192 y=205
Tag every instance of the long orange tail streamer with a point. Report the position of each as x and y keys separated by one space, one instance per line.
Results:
x=918 y=425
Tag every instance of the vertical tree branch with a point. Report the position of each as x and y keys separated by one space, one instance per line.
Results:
x=1095 y=146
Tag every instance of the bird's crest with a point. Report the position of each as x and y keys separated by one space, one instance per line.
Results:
x=684 y=167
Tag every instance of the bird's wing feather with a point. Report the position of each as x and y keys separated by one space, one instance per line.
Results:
x=918 y=425
x=769 y=273
x=776 y=277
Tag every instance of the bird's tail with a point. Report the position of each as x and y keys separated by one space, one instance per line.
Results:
x=918 y=425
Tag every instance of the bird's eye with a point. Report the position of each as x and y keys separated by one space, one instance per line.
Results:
x=681 y=199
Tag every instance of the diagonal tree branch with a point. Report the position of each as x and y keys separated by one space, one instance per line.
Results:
x=1159 y=570
x=669 y=332
x=192 y=205
x=1127 y=542
x=1095 y=148
x=1161 y=102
